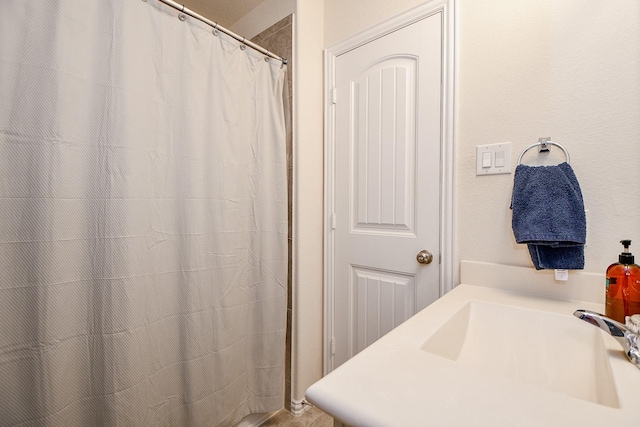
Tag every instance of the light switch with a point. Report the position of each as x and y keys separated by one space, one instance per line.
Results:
x=493 y=159
x=486 y=159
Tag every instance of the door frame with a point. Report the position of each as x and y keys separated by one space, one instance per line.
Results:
x=448 y=272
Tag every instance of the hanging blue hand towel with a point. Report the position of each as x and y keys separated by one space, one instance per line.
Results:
x=548 y=215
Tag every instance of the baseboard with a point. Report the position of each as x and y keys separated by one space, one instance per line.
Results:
x=299 y=407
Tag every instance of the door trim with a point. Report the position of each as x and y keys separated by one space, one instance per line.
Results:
x=448 y=272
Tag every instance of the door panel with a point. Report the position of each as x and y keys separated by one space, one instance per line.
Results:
x=387 y=179
x=382 y=300
x=384 y=144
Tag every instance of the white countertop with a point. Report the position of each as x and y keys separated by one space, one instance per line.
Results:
x=394 y=382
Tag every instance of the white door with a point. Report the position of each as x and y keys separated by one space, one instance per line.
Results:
x=387 y=182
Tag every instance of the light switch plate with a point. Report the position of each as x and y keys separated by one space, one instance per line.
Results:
x=504 y=157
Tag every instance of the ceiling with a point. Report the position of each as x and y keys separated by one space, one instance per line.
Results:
x=224 y=12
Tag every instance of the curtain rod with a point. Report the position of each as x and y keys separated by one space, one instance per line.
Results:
x=187 y=11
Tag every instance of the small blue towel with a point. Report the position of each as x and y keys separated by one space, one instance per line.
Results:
x=548 y=215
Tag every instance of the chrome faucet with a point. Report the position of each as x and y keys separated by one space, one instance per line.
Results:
x=625 y=336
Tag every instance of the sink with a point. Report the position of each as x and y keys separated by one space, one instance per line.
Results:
x=552 y=351
x=505 y=350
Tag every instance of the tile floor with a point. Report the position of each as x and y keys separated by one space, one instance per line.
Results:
x=314 y=417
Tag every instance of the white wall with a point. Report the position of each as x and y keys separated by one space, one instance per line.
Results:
x=308 y=196
x=566 y=69
x=344 y=19
x=262 y=17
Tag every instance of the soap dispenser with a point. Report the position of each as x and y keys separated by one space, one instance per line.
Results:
x=623 y=286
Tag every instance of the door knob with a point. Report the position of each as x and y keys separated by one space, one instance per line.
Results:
x=424 y=257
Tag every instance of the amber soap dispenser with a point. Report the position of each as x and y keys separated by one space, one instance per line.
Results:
x=623 y=286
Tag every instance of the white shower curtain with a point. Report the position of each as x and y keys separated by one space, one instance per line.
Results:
x=143 y=223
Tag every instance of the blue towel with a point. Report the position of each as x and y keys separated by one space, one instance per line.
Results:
x=548 y=215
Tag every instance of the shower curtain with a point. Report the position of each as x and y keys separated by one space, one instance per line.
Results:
x=143 y=223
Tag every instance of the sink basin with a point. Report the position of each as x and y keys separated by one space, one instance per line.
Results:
x=543 y=349
x=505 y=351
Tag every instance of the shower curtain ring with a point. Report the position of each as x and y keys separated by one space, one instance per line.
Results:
x=182 y=16
x=215 y=29
x=243 y=46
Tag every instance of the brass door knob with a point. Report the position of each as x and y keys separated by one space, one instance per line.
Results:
x=424 y=257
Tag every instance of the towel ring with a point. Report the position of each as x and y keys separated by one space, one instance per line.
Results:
x=542 y=143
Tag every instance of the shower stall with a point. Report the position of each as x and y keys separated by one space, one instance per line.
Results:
x=143 y=218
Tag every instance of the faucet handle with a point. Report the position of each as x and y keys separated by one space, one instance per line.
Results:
x=633 y=323
x=625 y=336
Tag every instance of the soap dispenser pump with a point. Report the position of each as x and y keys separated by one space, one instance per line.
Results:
x=623 y=286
